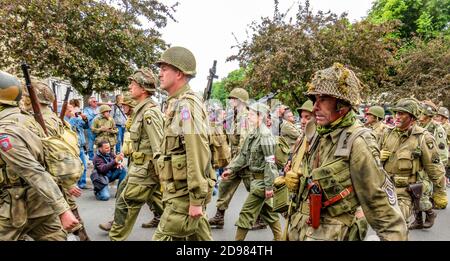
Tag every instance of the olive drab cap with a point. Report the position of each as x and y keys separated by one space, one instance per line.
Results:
x=104 y=108
x=181 y=58
x=128 y=100
x=409 y=105
x=428 y=108
x=259 y=107
x=336 y=81
x=377 y=111
x=306 y=106
x=443 y=112
x=43 y=92
x=239 y=93
x=145 y=78
x=10 y=89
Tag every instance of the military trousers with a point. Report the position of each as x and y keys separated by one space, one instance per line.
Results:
x=427 y=192
x=405 y=204
x=177 y=225
x=46 y=228
x=128 y=205
x=256 y=204
x=228 y=187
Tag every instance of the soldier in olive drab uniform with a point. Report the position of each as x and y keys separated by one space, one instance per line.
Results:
x=55 y=126
x=409 y=154
x=185 y=166
x=442 y=118
x=105 y=127
x=375 y=116
x=237 y=129
x=340 y=169
x=258 y=154
x=30 y=201
x=146 y=135
x=288 y=130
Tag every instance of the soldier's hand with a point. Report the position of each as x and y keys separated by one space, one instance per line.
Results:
x=68 y=220
x=226 y=174
x=279 y=181
x=292 y=179
x=385 y=154
x=440 y=200
x=195 y=211
x=269 y=193
x=75 y=191
x=287 y=167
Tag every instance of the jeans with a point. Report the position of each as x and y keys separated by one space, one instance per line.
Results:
x=82 y=181
x=91 y=141
x=120 y=174
x=119 y=138
x=216 y=186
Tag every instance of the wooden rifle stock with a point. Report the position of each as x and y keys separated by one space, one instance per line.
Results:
x=64 y=106
x=33 y=97
x=55 y=101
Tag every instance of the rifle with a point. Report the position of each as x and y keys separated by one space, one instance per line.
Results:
x=212 y=75
x=64 y=106
x=269 y=96
x=34 y=100
x=55 y=101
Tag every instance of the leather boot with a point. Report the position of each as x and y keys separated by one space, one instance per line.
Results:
x=154 y=222
x=418 y=221
x=276 y=230
x=106 y=226
x=259 y=224
x=430 y=216
x=218 y=220
x=81 y=232
x=241 y=233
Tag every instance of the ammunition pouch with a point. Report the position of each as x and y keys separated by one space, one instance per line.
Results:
x=18 y=208
x=415 y=191
x=179 y=167
x=138 y=158
x=280 y=199
x=165 y=168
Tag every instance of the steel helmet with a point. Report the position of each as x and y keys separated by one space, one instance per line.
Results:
x=10 y=89
x=376 y=111
x=181 y=58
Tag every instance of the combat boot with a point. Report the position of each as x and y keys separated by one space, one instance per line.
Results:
x=430 y=216
x=259 y=224
x=241 y=233
x=276 y=230
x=106 y=226
x=218 y=220
x=418 y=221
x=81 y=232
x=154 y=222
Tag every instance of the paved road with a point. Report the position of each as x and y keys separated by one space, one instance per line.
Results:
x=94 y=212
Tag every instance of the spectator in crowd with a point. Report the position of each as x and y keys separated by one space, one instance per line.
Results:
x=76 y=104
x=107 y=168
x=120 y=119
x=91 y=112
x=79 y=122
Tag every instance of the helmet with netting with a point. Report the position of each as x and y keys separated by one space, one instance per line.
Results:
x=44 y=94
x=239 y=93
x=145 y=78
x=104 y=108
x=336 y=81
x=409 y=105
x=443 y=112
x=10 y=89
x=429 y=108
x=181 y=58
x=376 y=111
x=128 y=100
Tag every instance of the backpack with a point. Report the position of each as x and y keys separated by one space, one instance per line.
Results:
x=62 y=156
x=282 y=151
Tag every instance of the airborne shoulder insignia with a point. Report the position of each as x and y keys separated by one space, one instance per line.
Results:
x=5 y=143
x=185 y=114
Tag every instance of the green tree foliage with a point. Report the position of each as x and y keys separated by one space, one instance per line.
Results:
x=222 y=88
x=424 y=18
x=284 y=54
x=95 y=44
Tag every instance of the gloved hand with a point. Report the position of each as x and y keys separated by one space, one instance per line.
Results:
x=385 y=154
x=279 y=181
x=440 y=200
x=292 y=179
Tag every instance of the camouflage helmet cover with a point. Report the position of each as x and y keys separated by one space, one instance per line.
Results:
x=306 y=106
x=239 y=93
x=181 y=58
x=376 y=111
x=104 y=108
x=43 y=92
x=145 y=78
x=128 y=100
x=429 y=108
x=444 y=112
x=336 y=81
x=10 y=89
x=409 y=105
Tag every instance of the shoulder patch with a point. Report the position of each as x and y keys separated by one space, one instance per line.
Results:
x=185 y=114
x=5 y=144
x=389 y=189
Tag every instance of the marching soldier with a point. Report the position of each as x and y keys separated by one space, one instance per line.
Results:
x=288 y=130
x=30 y=201
x=185 y=163
x=258 y=154
x=410 y=157
x=442 y=118
x=375 y=116
x=340 y=169
x=142 y=182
